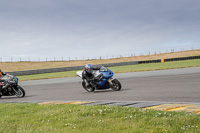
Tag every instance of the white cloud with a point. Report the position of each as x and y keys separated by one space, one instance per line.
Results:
x=87 y=28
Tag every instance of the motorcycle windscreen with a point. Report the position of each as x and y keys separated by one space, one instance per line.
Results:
x=107 y=74
x=15 y=79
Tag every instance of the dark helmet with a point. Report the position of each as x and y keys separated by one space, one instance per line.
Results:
x=88 y=67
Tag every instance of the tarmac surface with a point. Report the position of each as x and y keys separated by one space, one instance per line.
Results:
x=170 y=90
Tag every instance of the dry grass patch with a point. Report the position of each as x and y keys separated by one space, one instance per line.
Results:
x=19 y=66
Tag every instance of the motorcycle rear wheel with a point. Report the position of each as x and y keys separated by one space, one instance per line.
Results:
x=19 y=91
x=116 y=85
x=88 y=89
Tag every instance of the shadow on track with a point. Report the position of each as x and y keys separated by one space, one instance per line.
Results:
x=15 y=97
x=102 y=91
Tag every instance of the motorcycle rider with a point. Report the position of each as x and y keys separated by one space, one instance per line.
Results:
x=1 y=76
x=88 y=75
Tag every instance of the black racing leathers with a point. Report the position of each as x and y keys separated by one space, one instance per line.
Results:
x=1 y=81
x=89 y=76
x=2 y=73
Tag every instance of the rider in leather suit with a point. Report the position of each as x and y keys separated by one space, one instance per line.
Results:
x=88 y=75
x=1 y=85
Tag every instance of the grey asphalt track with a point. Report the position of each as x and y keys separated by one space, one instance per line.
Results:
x=175 y=85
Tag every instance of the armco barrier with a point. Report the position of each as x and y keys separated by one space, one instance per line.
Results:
x=149 y=61
x=183 y=58
x=62 y=69
x=170 y=59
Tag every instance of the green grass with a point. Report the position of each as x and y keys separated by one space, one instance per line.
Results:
x=157 y=66
x=48 y=75
x=34 y=118
x=120 y=69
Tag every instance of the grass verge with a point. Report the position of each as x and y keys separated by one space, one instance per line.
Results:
x=29 y=117
x=120 y=69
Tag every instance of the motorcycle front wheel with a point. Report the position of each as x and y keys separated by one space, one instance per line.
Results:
x=19 y=91
x=116 y=85
x=89 y=89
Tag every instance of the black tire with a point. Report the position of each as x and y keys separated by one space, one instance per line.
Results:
x=88 y=89
x=19 y=91
x=116 y=85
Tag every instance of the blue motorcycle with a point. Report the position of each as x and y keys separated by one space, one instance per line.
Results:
x=102 y=80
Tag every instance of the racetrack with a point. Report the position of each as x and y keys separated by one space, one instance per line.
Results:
x=176 y=85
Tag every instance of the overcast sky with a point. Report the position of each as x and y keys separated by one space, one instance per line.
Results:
x=93 y=28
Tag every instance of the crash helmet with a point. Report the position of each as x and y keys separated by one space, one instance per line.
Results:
x=88 y=67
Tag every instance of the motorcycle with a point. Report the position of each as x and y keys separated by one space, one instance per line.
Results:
x=11 y=87
x=102 y=80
